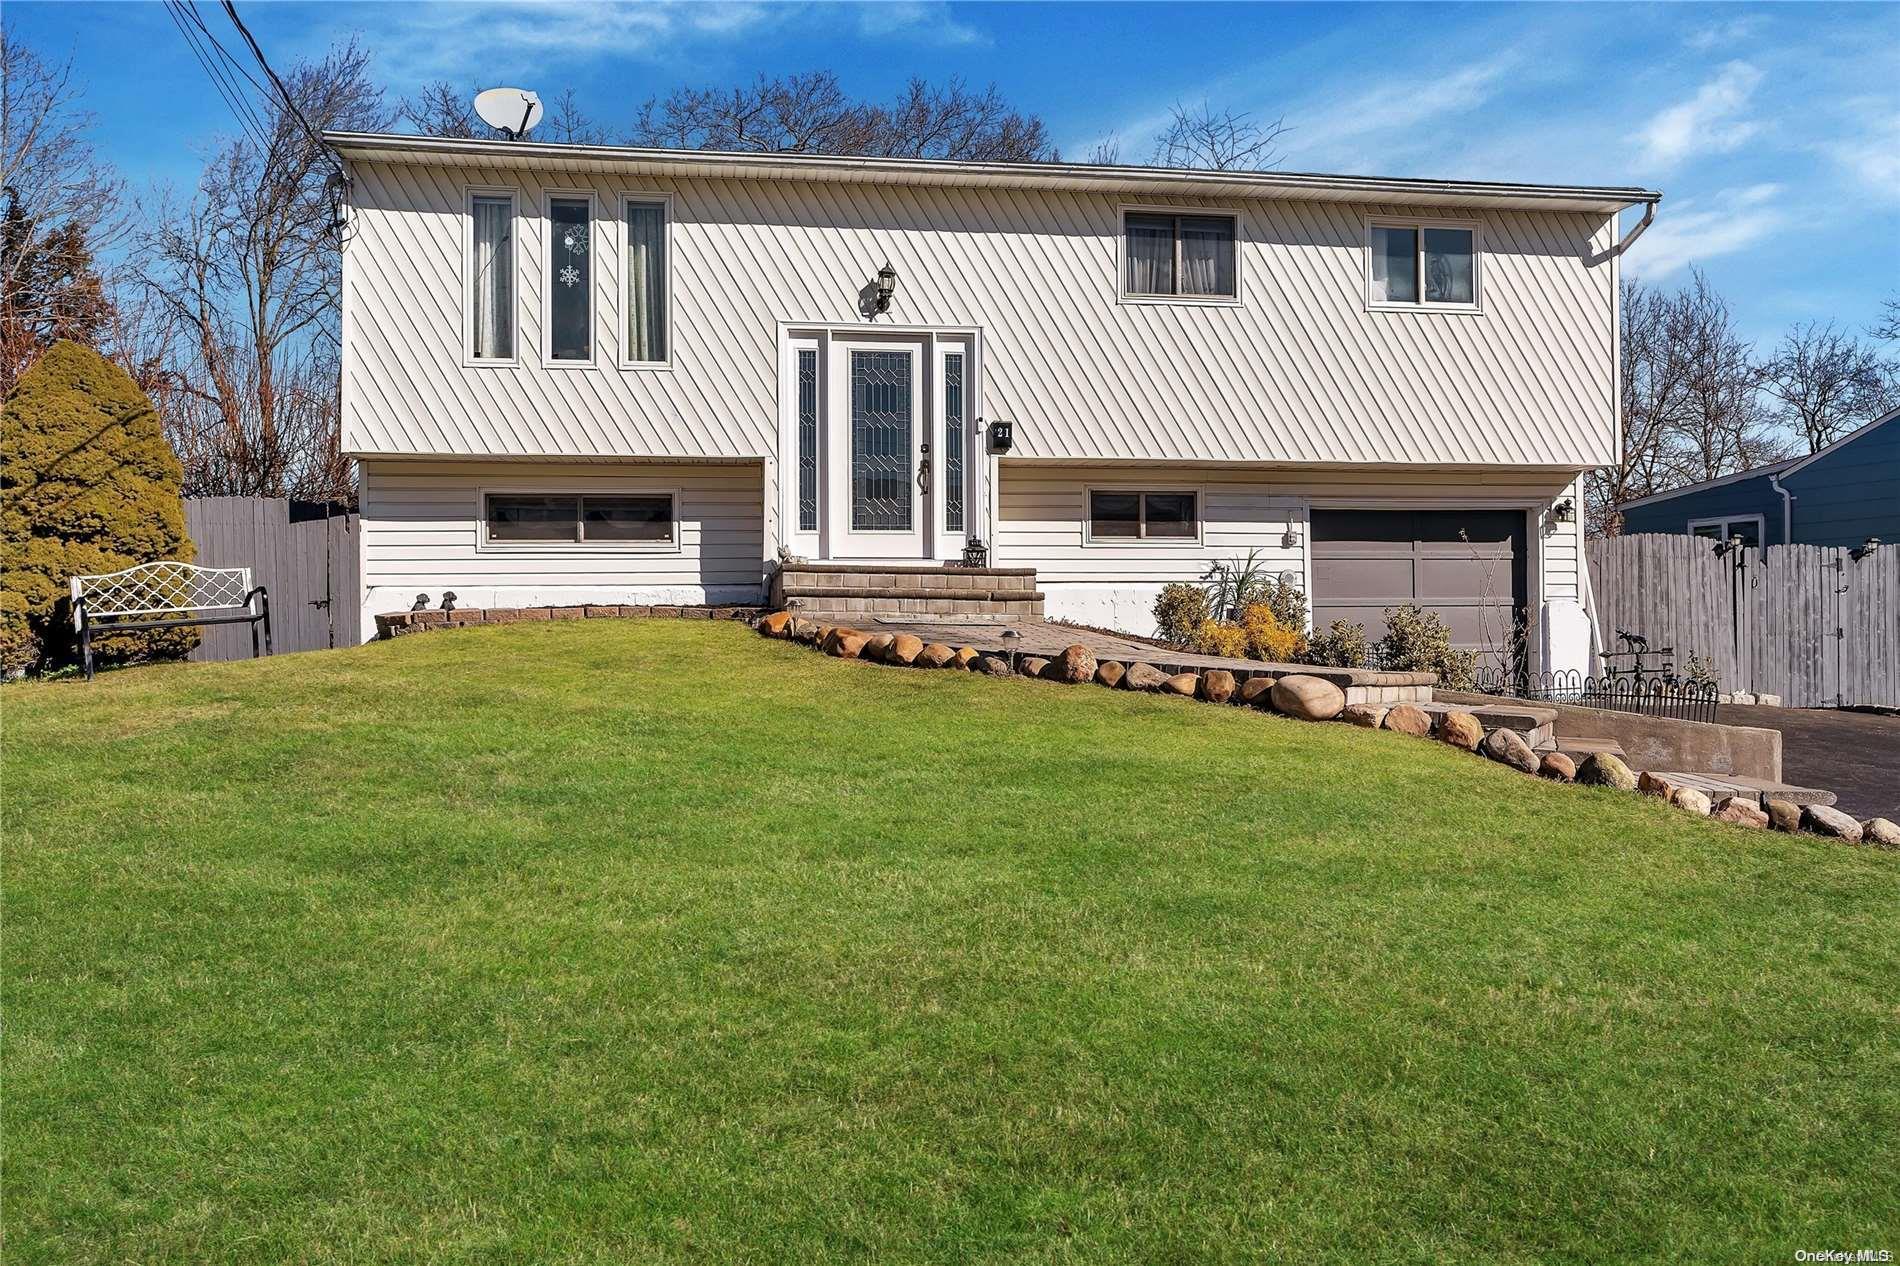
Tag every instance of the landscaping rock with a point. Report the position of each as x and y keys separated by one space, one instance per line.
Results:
x=1109 y=673
x=1740 y=811
x=904 y=649
x=935 y=655
x=1690 y=800
x=1407 y=718
x=1768 y=701
x=1826 y=820
x=1880 y=832
x=846 y=643
x=1144 y=677
x=994 y=665
x=777 y=624
x=1601 y=769
x=1366 y=715
x=1308 y=698
x=803 y=630
x=1785 y=815
x=964 y=657
x=1655 y=785
x=1217 y=685
x=1181 y=684
x=878 y=646
x=1032 y=666
x=1557 y=767
x=1507 y=747
x=1460 y=729
x=1074 y=666
x=1257 y=692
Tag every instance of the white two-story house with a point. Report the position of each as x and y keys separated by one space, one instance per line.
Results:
x=580 y=374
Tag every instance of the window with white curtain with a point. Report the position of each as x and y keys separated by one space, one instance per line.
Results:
x=1422 y=264
x=1179 y=255
x=491 y=276
x=646 y=281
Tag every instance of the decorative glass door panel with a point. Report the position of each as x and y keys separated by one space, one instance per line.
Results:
x=884 y=472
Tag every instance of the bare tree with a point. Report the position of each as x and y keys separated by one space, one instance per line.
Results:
x=442 y=109
x=247 y=273
x=812 y=114
x=61 y=210
x=567 y=124
x=1826 y=382
x=1887 y=327
x=1106 y=152
x=1222 y=140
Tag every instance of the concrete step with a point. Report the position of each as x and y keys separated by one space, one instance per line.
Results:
x=1578 y=748
x=1762 y=790
x=1533 y=724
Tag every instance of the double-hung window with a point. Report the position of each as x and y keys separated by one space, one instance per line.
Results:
x=1422 y=264
x=1185 y=255
x=1117 y=514
x=491 y=277
x=646 y=333
x=628 y=519
x=569 y=282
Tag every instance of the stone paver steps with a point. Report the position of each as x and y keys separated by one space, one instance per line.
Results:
x=1533 y=723
x=1718 y=787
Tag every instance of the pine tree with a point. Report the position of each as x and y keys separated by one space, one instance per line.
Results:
x=88 y=484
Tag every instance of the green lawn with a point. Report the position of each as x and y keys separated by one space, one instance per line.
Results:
x=630 y=941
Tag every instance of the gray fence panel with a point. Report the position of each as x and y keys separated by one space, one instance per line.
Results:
x=308 y=567
x=1810 y=623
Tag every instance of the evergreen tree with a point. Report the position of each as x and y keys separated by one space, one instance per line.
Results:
x=88 y=484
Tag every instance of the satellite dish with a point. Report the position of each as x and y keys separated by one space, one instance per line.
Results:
x=511 y=111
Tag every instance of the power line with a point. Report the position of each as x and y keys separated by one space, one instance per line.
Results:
x=289 y=102
x=227 y=89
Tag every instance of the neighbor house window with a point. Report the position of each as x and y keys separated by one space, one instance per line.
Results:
x=567 y=518
x=1179 y=256
x=492 y=277
x=1143 y=516
x=646 y=281
x=1422 y=264
x=1747 y=527
x=570 y=279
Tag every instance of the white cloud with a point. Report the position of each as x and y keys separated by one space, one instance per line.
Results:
x=1716 y=35
x=1358 y=127
x=1711 y=122
x=1693 y=232
x=929 y=23
x=1868 y=147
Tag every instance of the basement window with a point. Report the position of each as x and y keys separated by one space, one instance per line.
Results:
x=1116 y=514
x=638 y=519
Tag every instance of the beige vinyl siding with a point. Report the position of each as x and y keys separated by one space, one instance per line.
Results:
x=1298 y=372
x=422 y=533
x=1042 y=523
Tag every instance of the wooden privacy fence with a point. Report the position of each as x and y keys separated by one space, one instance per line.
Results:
x=303 y=552
x=1810 y=623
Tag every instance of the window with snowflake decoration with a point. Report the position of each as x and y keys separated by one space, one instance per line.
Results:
x=570 y=296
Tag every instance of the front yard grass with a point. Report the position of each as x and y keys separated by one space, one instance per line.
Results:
x=616 y=941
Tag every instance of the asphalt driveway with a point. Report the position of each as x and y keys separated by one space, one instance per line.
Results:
x=1856 y=755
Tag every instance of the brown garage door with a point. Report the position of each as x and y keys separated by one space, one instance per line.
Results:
x=1467 y=565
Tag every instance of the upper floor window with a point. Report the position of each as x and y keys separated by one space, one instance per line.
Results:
x=570 y=279
x=646 y=281
x=1422 y=263
x=1170 y=255
x=491 y=274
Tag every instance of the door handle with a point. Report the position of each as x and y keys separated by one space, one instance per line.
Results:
x=923 y=473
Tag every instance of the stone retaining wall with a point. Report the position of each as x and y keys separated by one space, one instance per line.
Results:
x=402 y=622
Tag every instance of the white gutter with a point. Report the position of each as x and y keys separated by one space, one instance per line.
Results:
x=1649 y=218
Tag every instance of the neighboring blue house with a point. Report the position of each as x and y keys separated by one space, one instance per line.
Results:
x=1842 y=495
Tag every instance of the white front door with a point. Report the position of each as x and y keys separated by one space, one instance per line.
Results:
x=879 y=474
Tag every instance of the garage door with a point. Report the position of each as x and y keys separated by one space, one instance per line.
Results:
x=1467 y=565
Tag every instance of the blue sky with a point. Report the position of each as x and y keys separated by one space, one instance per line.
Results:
x=1774 y=130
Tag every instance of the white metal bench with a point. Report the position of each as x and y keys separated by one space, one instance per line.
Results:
x=168 y=595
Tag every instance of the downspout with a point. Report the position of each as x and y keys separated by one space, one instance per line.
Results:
x=1787 y=509
x=1629 y=238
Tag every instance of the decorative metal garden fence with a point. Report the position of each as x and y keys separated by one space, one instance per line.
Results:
x=1656 y=694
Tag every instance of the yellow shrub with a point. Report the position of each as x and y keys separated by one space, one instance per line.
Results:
x=1267 y=638
x=1214 y=638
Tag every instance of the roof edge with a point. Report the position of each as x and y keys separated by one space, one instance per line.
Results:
x=1843 y=442
x=385 y=145
x=1720 y=481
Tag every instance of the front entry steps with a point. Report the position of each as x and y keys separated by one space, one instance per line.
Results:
x=830 y=590
x=1533 y=724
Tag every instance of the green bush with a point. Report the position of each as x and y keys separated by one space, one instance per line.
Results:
x=1343 y=645
x=1179 y=611
x=88 y=484
x=1417 y=641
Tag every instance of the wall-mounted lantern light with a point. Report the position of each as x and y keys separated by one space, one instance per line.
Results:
x=1289 y=539
x=1564 y=511
x=1865 y=548
x=886 y=287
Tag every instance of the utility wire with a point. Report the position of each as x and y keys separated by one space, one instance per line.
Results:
x=227 y=89
x=289 y=102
